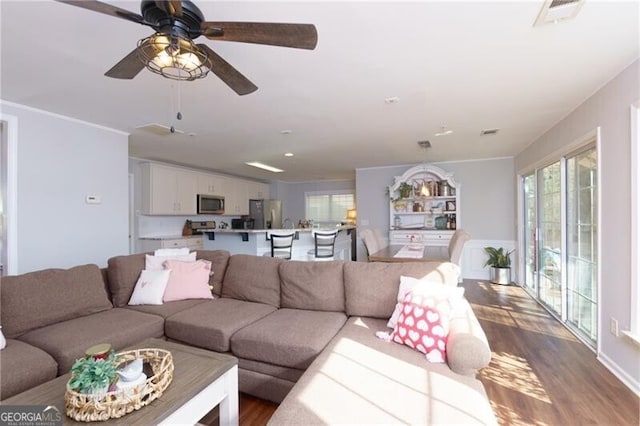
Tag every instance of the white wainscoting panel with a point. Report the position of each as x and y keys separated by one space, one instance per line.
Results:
x=473 y=258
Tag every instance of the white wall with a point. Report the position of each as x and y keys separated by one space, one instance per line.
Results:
x=487 y=197
x=60 y=162
x=608 y=108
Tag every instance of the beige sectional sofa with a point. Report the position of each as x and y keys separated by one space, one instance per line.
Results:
x=303 y=333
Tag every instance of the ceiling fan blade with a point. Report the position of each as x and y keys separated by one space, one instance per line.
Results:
x=171 y=7
x=227 y=73
x=301 y=36
x=107 y=9
x=128 y=67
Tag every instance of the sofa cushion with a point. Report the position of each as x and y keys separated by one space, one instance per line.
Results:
x=150 y=287
x=371 y=289
x=441 y=295
x=68 y=340
x=24 y=366
x=287 y=337
x=38 y=299
x=210 y=325
x=188 y=280
x=253 y=278
x=219 y=260
x=423 y=327
x=124 y=271
x=360 y=379
x=156 y=263
x=317 y=286
x=167 y=309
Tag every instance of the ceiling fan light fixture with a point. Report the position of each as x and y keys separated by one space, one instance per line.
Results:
x=174 y=57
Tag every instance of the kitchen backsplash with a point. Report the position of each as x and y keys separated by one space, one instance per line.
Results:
x=155 y=226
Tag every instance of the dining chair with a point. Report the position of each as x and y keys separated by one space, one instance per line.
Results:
x=380 y=241
x=454 y=249
x=458 y=240
x=324 y=245
x=369 y=240
x=282 y=245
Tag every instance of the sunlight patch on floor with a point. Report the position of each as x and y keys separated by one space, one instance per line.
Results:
x=514 y=372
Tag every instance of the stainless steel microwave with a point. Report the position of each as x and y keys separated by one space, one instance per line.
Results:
x=210 y=204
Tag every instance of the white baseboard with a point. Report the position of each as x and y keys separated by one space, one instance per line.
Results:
x=625 y=378
x=473 y=258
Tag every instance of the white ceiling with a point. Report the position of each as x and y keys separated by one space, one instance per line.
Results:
x=465 y=65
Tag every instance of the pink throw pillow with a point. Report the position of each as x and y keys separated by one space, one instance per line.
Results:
x=422 y=327
x=188 y=280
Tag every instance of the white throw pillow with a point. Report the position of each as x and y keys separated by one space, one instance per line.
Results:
x=171 y=251
x=150 y=287
x=155 y=263
x=437 y=290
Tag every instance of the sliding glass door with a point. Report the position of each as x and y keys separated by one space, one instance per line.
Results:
x=560 y=239
x=582 y=253
x=550 y=237
x=530 y=240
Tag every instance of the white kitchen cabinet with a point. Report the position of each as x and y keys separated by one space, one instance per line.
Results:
x=427 y=217
x=211 y=184
x=168 y=190
x=258 y=191
x=236 y=197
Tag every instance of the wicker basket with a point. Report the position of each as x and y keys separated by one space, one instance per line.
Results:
x=99 y=407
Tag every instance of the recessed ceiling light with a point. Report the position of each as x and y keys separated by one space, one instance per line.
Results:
x=264 y=166
x=392 y=100
x=288 y=154
x=443 y=131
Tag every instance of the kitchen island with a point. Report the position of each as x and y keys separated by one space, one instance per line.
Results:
x=257 y=241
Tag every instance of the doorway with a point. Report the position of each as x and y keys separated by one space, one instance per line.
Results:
x=8 y=194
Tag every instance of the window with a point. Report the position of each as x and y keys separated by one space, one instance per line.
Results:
x=328 y=207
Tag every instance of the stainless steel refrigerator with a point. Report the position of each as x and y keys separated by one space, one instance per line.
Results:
x=267 y=214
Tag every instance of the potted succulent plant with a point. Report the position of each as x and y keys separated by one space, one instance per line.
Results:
x=93 y=376
x=500 y=263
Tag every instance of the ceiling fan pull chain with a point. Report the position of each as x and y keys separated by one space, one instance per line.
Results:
x=179 y=114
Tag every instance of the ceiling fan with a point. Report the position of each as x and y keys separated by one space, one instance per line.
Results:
x=172 y=53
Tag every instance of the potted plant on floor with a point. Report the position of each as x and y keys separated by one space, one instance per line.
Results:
x=500 y=263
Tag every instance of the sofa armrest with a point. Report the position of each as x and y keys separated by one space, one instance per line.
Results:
x=467 y=346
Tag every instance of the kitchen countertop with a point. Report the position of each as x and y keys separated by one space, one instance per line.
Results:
x=282 y=230
x=169 y=237
x=246 y=231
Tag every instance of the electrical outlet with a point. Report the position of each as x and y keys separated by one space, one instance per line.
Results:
x=613 y=326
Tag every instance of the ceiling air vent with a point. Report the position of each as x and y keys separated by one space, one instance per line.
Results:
x=489 y=132
x=159 y=129
x=558 y=10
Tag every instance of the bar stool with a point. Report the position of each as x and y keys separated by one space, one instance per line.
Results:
x=324 y=245
x=281 y=245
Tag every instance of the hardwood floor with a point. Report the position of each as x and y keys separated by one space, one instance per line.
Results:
x=540 y=374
